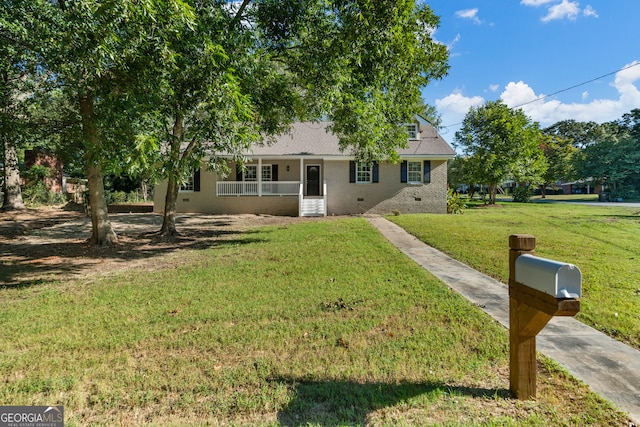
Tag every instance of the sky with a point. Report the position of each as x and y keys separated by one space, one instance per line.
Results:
x=581 y=57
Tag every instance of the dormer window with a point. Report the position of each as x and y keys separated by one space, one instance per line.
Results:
x=412 y=130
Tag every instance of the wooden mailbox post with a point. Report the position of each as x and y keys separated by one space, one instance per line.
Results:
x=531 y=308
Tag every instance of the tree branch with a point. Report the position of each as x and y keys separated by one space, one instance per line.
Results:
x=240 y=11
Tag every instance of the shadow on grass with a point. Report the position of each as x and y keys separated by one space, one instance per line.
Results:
x=31 y=262
x=334 y=403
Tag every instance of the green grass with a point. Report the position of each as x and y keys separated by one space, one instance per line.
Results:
x=317 y=323
x=604 y=242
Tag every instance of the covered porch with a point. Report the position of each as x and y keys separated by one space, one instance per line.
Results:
x=262 y=179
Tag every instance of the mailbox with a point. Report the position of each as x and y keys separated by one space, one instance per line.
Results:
x=558 y=279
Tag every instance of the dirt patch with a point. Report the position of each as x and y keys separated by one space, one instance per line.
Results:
x=37 y=245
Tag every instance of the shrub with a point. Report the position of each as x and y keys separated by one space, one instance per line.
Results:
x=521 y=194
x=455 y=204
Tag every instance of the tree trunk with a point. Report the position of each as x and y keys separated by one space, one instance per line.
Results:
x=169 y=220
x=492 y=194
x=543 y=191
x=102 y=232
x=11 y=184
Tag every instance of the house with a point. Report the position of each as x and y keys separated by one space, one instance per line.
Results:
x=304 y=173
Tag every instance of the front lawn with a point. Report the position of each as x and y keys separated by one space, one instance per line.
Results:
x=604 y=242
x=316 y=323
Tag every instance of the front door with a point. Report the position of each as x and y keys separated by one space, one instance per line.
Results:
x=313 y=180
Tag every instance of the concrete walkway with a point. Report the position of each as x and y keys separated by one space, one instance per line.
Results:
x=610 y=368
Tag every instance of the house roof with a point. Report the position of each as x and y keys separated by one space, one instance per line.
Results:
x=313 y=139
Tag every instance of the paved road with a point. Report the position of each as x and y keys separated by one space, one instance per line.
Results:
x=610 y=368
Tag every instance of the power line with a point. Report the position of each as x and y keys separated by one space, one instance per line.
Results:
x=565 y=89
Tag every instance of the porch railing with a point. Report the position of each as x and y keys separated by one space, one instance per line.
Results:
x=253 y=188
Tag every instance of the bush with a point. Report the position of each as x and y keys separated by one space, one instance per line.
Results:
x=118 y=197
x=35 y=191
x=455 y=204
x=521 y=194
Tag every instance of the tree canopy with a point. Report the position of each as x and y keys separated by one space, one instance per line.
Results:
x=235 y=76
x=160 y=85
x=501 y=144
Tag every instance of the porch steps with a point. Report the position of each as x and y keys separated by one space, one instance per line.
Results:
x=312 y=207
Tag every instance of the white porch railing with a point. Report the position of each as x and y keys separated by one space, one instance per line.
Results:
x=252 y=188
x=314 y=205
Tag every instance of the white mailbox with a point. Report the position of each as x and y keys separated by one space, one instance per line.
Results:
x=555 y=278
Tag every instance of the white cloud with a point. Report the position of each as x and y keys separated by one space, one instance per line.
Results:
x=549 y=111
x=452 y=43
x=589 y=11
x=535 y=2
x=457 y=103
x=566 y=9
x=469 y=14
x=494 y=88
x=585 y=95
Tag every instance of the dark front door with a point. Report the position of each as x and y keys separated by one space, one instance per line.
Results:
x=313 y=180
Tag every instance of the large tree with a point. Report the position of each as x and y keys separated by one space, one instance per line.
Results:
x=501 y=143
x=580 y=134
x=559 y=153
x=99 y=49
x=17 y=33
x=238 y=75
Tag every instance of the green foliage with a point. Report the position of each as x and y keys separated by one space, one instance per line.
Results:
x=501 y=143
x=455 y=203
x=611 y=162
x=559 y=153
x=35 y=191
x=522 y=194
x=579 y=134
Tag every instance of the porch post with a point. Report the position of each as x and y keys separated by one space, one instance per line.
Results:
x=302 y=173
x=259 y=176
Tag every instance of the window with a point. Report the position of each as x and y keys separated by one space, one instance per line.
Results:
x=188 y=184
x=192 y=182
x=412 y=131
x=251 y=173
x=266 y=173
x=363 y=173
x=415 y=172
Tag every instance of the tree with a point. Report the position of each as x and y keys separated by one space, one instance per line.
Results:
x=580 y=134
x=98 y=50
x=611 y=163
x=501 y=143
x=235 y=76
x=460 y=171
x=559 y=153
x=16 y=33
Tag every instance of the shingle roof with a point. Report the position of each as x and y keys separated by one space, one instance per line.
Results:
x=312 y=139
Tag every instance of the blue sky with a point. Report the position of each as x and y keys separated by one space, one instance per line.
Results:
x=520 y=50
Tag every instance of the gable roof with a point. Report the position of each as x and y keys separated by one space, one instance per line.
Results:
x=313 y=139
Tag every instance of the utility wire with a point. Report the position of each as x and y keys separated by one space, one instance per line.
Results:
x=565 y=89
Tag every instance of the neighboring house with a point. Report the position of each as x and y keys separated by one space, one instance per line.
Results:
x=43 y=157
x=304 y=173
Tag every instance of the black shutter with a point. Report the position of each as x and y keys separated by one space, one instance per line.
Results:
x=274 y=172
x=238 y=173
x=403 y=171
x=426 y=177
x=375 y=172
x=352 y=171
x=196 y=180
